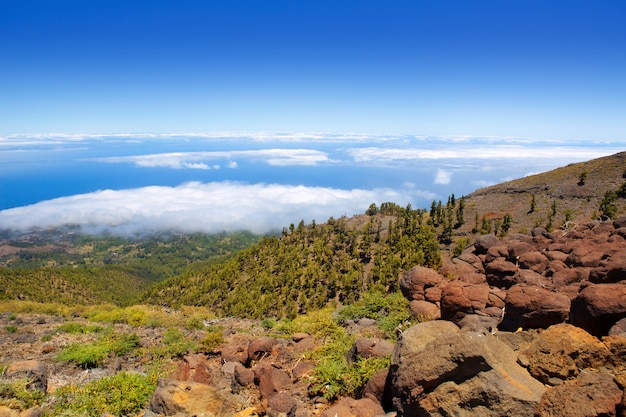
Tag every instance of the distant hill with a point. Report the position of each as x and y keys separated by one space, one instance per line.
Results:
x=576 y=191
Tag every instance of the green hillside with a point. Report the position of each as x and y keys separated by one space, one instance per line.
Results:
x=309 y=266
x=61 y=266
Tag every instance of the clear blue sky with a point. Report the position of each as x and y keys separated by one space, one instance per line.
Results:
x=523 y=68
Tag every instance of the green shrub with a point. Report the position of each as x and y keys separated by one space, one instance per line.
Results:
x=388 y=309
x=123 y=344
x=73 y=327
x=85 y=356
x=212 y=339
x=93 y=355
x=268 y=324
x=123 y=394
x=194 y=323
x=175 y=344
x=11 y=329
x=16 y=395
x=334 y=376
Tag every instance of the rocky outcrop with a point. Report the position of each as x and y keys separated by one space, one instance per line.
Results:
x=577 y=276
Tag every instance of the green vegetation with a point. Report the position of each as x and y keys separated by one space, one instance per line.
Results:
x=93 y=355
x=95 y=270
x=308 y=267
x=123 y=394
x=390 y=310
x=17 y=395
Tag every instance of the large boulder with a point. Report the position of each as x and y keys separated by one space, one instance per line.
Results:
x=173 y=397
x=459 y=299
x=598 y=307
x=501 y=273
x=530 y=306
x=417 y=280
x=438 y=370
x=591 y=395
x=33 y=370
x=560 y=353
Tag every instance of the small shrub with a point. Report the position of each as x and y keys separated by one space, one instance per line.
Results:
x=194 y=323
x=85 y=356
x=11 y=329
x=16 y=395
x=211 y=340
x=124 y=343
x=123 y=394
x=12 y=316
x=268 y=324
x=174 y=345
x=73 y=327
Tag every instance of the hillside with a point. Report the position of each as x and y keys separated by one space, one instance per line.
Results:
x=561 y=189
x=67 y=267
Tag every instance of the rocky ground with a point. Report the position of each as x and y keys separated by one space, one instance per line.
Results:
x=528 y=325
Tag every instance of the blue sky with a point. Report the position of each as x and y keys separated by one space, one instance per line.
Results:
x=522 y=68
x=309 y=109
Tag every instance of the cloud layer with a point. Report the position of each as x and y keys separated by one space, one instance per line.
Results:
x=197 y=207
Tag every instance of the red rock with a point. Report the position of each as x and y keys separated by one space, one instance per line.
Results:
x=348 y=407
x=459 y=299
x=235 y=352
x=271 y=380
x=282 y=404
x=369 y=347
x=484 y=242
x=598 y=307
x=376 y=387
x=533 y=260
x=500 y=273
x=416 y=280
x=424 y=310
x=244 y=376
x=261 y=347
x=534 y=307
x=592 y=395
x=195 y=367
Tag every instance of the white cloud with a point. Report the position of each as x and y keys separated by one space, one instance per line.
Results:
x=443 y=177
x=178 y=160
x=473 y=152
x=194 y=206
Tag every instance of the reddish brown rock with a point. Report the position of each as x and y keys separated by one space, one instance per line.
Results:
x=484 y=242
x=194 y=367
x=459 y=299
x=592 y=395
x=416 y=280
x=598 y=307
x=517 y=249
x=369 y=347
x=424 y=310
x=532 y=307
x=260 y=347
x=243 y=376
x=533 y=260
x=376 y=387
x=501 y=273
x=610 y=270
x=282 y=405
x=235 y=352
x=271 y=380
x=348 y=407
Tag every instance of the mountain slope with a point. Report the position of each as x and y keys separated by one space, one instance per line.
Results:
x=560 y=190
